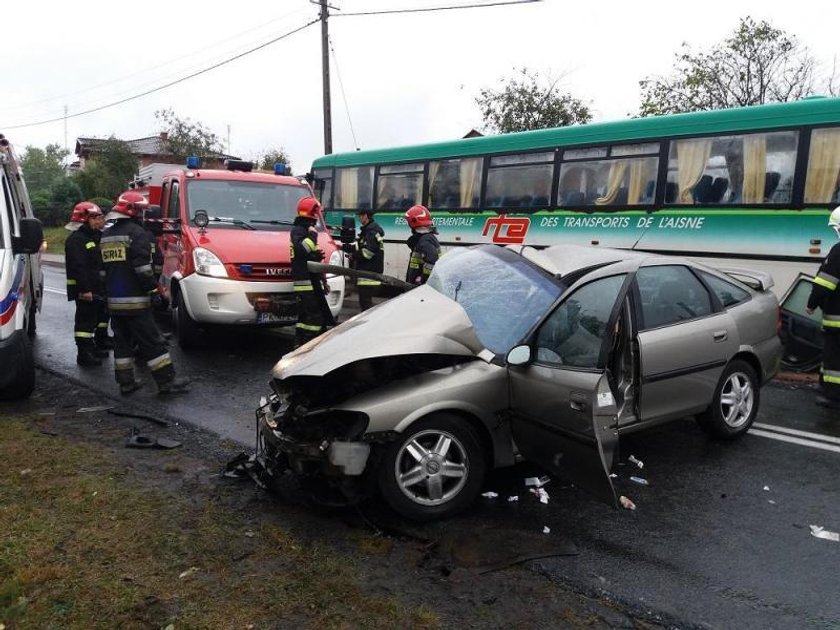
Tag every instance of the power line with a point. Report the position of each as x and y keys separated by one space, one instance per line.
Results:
x=169 y=84
x=343 y=95
x=449 y=8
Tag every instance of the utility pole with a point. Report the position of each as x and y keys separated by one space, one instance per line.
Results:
x=325 y=70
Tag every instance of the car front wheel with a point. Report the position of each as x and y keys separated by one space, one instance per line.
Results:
x=735 y=403
x=434 y=470
x=187 y=330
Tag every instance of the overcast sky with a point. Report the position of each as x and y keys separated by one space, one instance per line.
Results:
x=407 y=78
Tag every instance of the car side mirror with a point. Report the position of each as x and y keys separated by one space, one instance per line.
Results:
x=348 y=229
x=152 y=220
x=31 y=237
x=520 y=355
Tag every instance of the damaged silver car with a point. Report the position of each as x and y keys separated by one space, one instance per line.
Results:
x=509 y=353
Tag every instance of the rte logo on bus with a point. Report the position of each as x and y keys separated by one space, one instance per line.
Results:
x=507 y=231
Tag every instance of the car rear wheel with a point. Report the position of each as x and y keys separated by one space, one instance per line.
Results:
x=23 y=381
x=188 y=331
x=735 y=402
x=434 y=470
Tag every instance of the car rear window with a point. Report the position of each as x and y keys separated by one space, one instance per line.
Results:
x=727 y=293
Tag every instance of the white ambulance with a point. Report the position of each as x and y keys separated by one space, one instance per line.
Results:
x=21 y=278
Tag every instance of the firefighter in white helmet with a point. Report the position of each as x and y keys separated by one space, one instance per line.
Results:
x=825 y=295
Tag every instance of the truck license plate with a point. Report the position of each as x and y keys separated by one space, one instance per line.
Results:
x=273 y=318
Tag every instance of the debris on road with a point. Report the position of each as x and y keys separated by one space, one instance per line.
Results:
x=546 y=529
x=820 y=532
x=141 y=416
x=541 y=494
x=188 y=572
x=537 y=482
x=245 y=466
x=489 y=495
x=136 y=440
x=94 y=409
x=626 y=503
x=632 y=459
x=613 y=476
x=766 y=488
x=640 y=480
x=513 y=498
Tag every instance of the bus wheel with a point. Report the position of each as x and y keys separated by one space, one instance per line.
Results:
x=188 y=331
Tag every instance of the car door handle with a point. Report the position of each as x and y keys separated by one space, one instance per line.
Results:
x=721 y=335
x=577 y=402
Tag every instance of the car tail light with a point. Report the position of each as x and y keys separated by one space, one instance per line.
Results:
x=262 y=304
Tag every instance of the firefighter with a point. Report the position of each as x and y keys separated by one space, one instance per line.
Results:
x=132 y=290
x=313 y=312
x=826 y=296
x=368 y=251
x=423 y=243
x=84 y=285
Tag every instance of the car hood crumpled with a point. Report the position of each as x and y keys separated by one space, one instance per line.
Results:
x=421 y=321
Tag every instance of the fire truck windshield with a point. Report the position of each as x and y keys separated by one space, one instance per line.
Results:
x=264 y=206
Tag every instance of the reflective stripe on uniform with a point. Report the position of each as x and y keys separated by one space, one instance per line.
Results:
x=302 y=285
x=102 y=325
x=71 y=282
x=826 y=280
x=90 y=245
x=367 y=253
x=308 y=327
x=159 y=362
x=83 y=335
x=831 y=321
x=123 y=364
x=365 y=282
x=309 y=245
x=143 y=269
x=830 y=376
x=129 y=303
x=119 y=238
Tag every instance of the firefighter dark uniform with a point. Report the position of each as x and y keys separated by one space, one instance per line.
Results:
x=369 y=254
x=84 y=284
x=825 y=295
x=424 y=246
x=131 y=288
x=313 y=312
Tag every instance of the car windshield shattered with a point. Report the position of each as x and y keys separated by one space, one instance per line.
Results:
x=502 y=294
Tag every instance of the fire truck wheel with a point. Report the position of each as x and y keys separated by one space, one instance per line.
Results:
x=188 y=331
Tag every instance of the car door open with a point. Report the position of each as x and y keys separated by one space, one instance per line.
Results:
x=564 y=412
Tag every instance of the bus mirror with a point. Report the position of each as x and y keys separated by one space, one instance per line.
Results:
x=31 y=237
x=348 y=229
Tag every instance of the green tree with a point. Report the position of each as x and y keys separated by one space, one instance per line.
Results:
x=41 y=167
x=185 y=138
x=527 y=102
x=108 y=171
x=756 y=64
x=267 y=159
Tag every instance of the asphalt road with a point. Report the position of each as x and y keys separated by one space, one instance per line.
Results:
x=720 y=538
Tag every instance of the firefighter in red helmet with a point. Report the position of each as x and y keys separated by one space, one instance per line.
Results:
x=131 y=289
x=313 y=312
x=84 y=284
x=423 y=243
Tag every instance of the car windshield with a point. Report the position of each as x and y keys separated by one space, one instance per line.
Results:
x=503 y=294
x=261 y=205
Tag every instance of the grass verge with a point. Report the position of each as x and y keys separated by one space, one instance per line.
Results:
x=55 y=237
x=82 y=546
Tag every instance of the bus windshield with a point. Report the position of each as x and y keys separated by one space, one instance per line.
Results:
x=258 y=205
x=502 y=294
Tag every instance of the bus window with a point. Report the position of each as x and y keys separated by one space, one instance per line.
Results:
x=750 y=169
x=323 y=186
x=353 y=188
x=399 y=187
x=623 y=182
x=455 y=183
x=519 y=181
x=822 y=184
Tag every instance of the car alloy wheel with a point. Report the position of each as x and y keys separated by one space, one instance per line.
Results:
x=737 y=399
x=435 y=470
x=735 y=402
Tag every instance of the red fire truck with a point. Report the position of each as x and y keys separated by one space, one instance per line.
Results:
x=236 y=269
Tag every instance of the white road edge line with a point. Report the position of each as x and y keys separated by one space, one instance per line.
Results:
x=794 y=440
x=804 y=434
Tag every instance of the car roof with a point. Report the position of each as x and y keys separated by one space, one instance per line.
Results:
x=560 y=260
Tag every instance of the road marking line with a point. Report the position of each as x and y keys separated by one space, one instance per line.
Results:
x=794 y=440
x=804 y=434
x=49 y=290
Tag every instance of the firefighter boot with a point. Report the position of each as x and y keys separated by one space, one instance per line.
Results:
x=124 y=375
x=86 y=356
x=178 y=385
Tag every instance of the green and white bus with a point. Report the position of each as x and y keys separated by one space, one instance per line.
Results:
x=749 y=187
